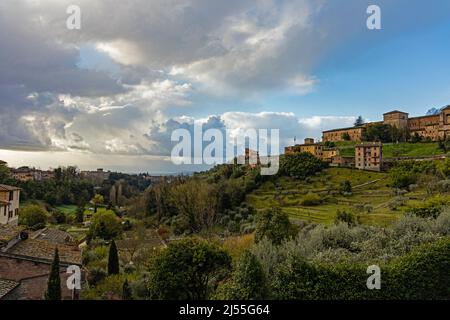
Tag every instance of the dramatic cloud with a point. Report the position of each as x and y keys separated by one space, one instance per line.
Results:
x=139 y=69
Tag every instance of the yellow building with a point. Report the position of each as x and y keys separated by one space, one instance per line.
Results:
x=316 y=149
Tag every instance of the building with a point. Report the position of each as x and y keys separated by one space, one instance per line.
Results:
x=9 y=204
x=433 y=127
x=369 y=156
x=341 y=161
x=329 y=154
x=31 y=174
x=316 y=149
x=98 y=176
x=25 y=263
x=352 y=133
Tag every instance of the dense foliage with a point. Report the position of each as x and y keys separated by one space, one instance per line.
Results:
x=300 y=165
x=33 y=216
x=187 y=269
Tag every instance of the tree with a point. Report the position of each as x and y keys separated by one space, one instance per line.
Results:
x=80 y=214
x=359 y=121
x=33 y=216
x=4 y=172
x=273 y=225
x=345 y=217
x=346 y=136
x=113 y=259
x=188 y=269
x=126 y=291
x=416 y=138
x=300 y=165
x=54 y=281
x=196 y=202
x=105 y=225
x=346 y=186
x=248 y=281
x=97 y=200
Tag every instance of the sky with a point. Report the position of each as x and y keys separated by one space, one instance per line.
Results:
x=111 y=93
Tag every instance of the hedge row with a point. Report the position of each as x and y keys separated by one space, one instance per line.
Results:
x=422 y=274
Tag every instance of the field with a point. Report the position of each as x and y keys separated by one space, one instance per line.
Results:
x=393 y=150
x=372 y=200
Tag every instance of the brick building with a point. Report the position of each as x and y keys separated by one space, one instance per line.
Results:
x=433 y=127
x=25 y=262
x=369 y=156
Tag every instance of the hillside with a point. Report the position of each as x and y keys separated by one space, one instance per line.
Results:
x=372 y=200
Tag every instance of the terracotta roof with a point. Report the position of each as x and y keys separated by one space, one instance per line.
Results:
x=8 y=232
x=6 y=286
x=54 y=236
x=4 y=187
x=42 y=249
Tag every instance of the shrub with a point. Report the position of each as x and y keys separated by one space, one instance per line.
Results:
x=248 y=281
x=33 y=216
x=187 y=269
x=300 y=165
x=311 y=199
x=105 y=225
x=274 y=225
x=345 y=217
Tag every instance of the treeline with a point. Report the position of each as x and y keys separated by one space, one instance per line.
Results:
x=217 y=197
x=433 y=175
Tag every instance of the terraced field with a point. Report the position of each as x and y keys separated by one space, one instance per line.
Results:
x=371 y=200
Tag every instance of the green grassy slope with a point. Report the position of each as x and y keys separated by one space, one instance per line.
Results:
x=392 y=150
x=370 y=193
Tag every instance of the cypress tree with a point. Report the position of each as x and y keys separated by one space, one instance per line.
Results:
x=54 y=281
x=126 y=291
x=113 y=259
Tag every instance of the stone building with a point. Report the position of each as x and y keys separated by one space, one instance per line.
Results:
x=335 y=135
x=369 y=156
x=433 y=127
x=9 y=204
x=316 y=149
x=25 y=262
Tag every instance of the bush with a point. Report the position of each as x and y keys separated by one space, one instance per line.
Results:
x=248 y=280
x=33 y=216
x=274 y=225
x=420 y=275
x=105 y=225
x=345 y=217
x=187 y=269
x=311 y=199
x=300 y=165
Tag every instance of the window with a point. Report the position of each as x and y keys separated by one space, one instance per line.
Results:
x=16 y=212
x=11 y=195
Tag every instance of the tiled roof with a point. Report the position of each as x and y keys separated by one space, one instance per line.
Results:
x=4 y=187
x=6 y=286
x=8 y=232
x=41 y=249
x=54 y=236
